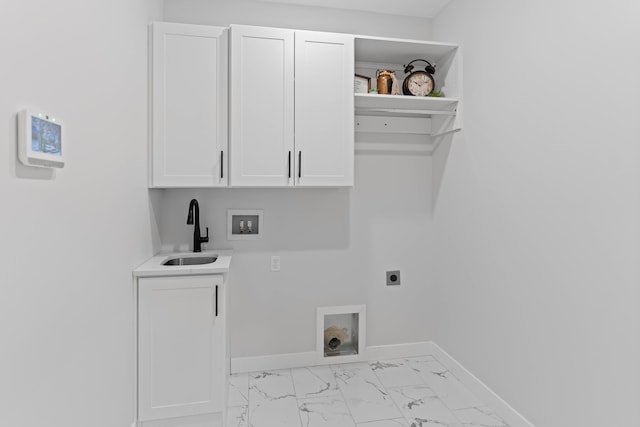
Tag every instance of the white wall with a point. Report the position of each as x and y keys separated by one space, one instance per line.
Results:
x=335 y=244
x=537 y=216
x=69 y=242
x=247 y=12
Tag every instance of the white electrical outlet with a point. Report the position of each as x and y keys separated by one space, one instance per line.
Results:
x=275 y=263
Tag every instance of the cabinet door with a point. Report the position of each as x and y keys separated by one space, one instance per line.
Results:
x=189 y=105
x=262 y=112
x=181 y=347
x=324 y=110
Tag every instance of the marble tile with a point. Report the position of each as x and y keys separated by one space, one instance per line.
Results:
x=326 y=411
x=280 y=411
x=422 y=407
x=400 y=422
x=315 y=381
x=270 y=385
x=366 y=397
x=238 y=390
x=479 y=417
x=272 y=400
x=410 y=392
x=238 y=416
x=444 y=384
x=395 y=373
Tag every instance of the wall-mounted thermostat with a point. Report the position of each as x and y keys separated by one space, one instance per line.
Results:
x=40 y=140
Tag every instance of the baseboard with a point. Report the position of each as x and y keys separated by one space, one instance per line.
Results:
x=275 y=361
x=398 y=351
x=480 y=389
x=209 y=420
x=395 y=351
x=311 y=358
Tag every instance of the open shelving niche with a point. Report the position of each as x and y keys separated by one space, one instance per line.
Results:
x=400 y=123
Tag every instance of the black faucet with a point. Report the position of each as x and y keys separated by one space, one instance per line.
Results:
x=197 y=239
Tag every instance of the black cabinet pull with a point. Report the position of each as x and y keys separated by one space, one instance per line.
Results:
x=289 y=164
x=299 y=164
x=216 y=300
x=221 y=164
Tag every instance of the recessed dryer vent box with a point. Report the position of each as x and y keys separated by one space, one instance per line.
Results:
x=341 y=333
x=244 y=224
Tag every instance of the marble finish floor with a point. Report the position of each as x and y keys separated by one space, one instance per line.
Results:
x=410 y=392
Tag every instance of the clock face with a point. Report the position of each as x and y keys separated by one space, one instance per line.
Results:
x=420 y=84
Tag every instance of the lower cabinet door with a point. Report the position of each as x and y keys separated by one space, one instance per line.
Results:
x=181 y=346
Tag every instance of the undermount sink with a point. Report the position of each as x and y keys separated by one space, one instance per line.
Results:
x=191 y=260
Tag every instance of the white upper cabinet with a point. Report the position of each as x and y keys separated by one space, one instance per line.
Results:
x=291 y=108
x=262 y=109
x=189 y=135
x=292 y=119
x=324 y=125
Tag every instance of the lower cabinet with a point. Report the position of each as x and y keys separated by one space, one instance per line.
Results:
x=182 y=361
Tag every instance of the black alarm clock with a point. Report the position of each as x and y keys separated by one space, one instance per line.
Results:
x=419 y=83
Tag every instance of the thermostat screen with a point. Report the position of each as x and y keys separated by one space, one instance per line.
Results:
x=46 y=137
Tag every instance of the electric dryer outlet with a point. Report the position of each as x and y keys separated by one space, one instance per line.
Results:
x=393 y=278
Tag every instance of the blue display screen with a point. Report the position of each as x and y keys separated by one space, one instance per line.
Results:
x=46 y=137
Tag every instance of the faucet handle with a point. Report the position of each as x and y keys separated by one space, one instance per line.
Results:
x=205 y=239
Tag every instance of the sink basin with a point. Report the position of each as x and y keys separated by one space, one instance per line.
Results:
x=191 y=260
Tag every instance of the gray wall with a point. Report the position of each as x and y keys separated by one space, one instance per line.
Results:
x=247 y=12
x=537 y=216
x=70 y=240
x=335 y=244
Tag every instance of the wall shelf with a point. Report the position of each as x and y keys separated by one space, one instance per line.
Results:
x=401 y=51
x=388 y=124
x=401 y=124
x=404 y=105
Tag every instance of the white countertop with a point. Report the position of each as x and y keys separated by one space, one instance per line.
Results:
x=154 y=267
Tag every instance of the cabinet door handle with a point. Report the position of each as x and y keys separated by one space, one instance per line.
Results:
x=216 y=300
x=289 y=164
x=299 y=164
x=221 y=164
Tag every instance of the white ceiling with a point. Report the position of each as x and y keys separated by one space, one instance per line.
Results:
x=416 y=8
